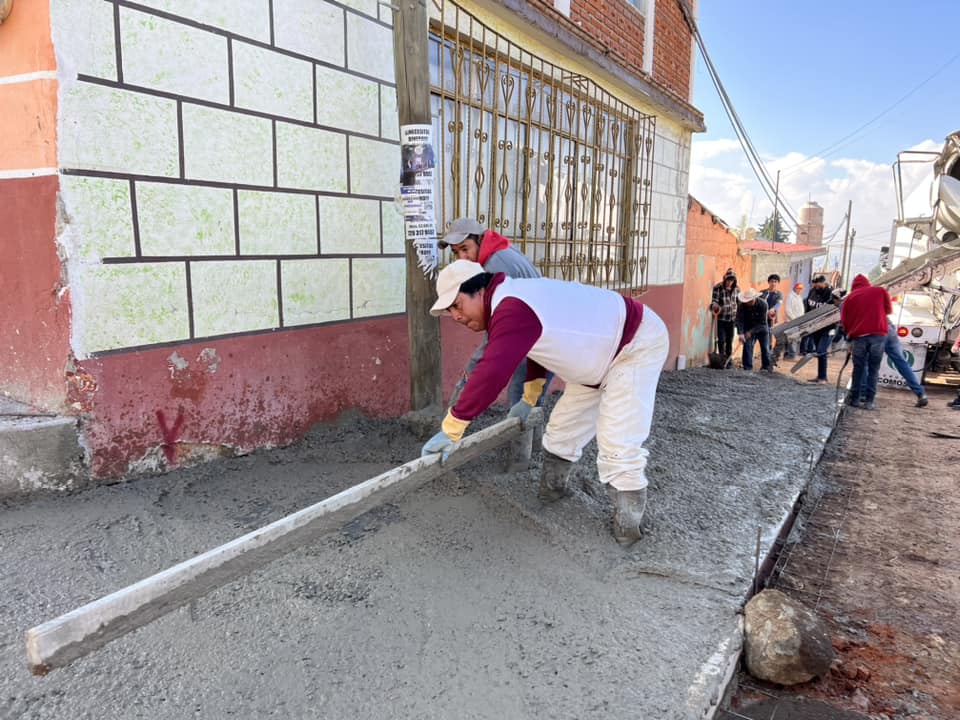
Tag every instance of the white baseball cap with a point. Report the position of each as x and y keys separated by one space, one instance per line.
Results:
x=459 y=230
x=449 y=281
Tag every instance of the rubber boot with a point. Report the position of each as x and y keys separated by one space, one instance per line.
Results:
x=628 y=507
x=553 y=477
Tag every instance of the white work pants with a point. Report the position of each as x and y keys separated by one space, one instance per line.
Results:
x=619 y=412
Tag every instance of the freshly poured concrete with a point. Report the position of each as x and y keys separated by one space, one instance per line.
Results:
x=468 y=599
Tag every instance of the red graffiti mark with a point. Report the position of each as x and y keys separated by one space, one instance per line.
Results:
x=170 y=435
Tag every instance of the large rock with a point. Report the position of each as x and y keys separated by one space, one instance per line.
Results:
x=785 y=642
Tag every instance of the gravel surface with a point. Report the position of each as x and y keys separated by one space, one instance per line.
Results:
x=466 y=599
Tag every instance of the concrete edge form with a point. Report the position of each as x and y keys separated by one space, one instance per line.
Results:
x=714 y=696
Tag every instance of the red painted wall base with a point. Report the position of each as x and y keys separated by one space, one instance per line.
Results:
x=236 y=394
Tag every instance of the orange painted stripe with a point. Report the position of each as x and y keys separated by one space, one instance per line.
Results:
x=25 y=42
x=28 y=124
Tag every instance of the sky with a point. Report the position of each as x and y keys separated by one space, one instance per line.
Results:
x=803 y=76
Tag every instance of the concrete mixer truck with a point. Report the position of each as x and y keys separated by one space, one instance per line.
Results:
x=921 y=269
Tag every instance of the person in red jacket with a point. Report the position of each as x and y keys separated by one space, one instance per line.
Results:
x=863 y=315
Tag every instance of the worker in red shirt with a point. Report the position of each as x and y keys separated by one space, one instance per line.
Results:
x=863 y=315
x=609 y=349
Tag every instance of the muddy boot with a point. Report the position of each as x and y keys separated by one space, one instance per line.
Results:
x=553 y=478
x=628 y=507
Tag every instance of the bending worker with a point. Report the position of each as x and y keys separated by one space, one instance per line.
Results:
x=469 y=240
x=608 y=348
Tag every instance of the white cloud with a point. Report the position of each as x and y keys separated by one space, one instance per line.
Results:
x=721 y=179
x=711 y=148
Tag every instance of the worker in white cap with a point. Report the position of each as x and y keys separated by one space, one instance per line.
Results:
x=609 y=349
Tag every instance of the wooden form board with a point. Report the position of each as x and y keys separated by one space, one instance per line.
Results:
x=58 y=642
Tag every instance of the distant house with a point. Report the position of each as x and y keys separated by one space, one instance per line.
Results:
x=793 y=263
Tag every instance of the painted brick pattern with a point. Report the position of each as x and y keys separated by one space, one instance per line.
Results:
x=227 y=167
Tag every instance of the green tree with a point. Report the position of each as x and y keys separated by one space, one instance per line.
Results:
x=742 y=227
x=765 y=230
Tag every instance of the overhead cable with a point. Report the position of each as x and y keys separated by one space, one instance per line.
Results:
x=753 y=157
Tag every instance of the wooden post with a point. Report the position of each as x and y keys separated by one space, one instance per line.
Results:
x=410 y=44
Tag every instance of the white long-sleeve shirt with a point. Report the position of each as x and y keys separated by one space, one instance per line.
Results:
x=794 y=307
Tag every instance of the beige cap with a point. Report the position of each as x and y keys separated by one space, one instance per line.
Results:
x=449 y=281
x=459 y=229
x=747 y=295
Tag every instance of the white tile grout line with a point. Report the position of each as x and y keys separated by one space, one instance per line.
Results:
x=32 y=172
x=29 y=77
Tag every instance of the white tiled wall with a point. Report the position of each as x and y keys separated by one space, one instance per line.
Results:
x=226 y=167
x=671 y=165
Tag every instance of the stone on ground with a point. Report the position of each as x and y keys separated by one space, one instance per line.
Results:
x=785 y=643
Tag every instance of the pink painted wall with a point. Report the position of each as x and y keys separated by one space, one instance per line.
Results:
x=35 y=312
x=711 y=249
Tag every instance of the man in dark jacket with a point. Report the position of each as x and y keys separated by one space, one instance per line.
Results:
x=752 y=326
x=864 y=319
x=723 y=305
x=821 y=294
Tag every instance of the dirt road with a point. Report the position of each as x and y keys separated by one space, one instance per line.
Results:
x=879 y=557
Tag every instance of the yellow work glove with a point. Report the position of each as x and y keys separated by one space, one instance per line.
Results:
x=531 y=393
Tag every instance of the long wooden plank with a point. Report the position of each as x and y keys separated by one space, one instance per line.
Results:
x=58 y=642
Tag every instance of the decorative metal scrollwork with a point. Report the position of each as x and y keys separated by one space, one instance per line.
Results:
x=542 y=152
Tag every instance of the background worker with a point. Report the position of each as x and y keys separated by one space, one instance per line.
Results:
x=469 y=240
x=794 y=309
x=609 y=349
x=863 y=315
x=723 y=305
x=820 y=294
x=752 y=319
x=772 y=297
x=894 y=351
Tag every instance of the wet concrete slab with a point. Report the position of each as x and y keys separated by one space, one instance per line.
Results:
x=467 y=599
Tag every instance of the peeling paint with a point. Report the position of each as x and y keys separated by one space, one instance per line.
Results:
x=209 y=357
x=177 y=363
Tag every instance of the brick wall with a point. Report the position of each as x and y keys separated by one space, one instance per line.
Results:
x=671 y=49
x=618 y=26
x=226 y=168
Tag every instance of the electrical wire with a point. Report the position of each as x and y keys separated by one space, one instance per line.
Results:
x=753 y=157
x=830 y=149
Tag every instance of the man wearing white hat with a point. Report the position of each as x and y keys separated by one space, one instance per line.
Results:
x=608 y=348
x=752 y=325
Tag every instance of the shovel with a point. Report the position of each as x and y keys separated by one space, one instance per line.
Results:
x=717 y=360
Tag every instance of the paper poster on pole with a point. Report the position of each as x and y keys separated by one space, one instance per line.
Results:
x=418 y=162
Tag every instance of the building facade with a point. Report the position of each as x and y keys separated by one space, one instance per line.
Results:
x=197 y=199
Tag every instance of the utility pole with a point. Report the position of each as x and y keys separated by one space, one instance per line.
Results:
x=776 y=205
x=846 y=272
x=410 y=44
x=846 y=242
